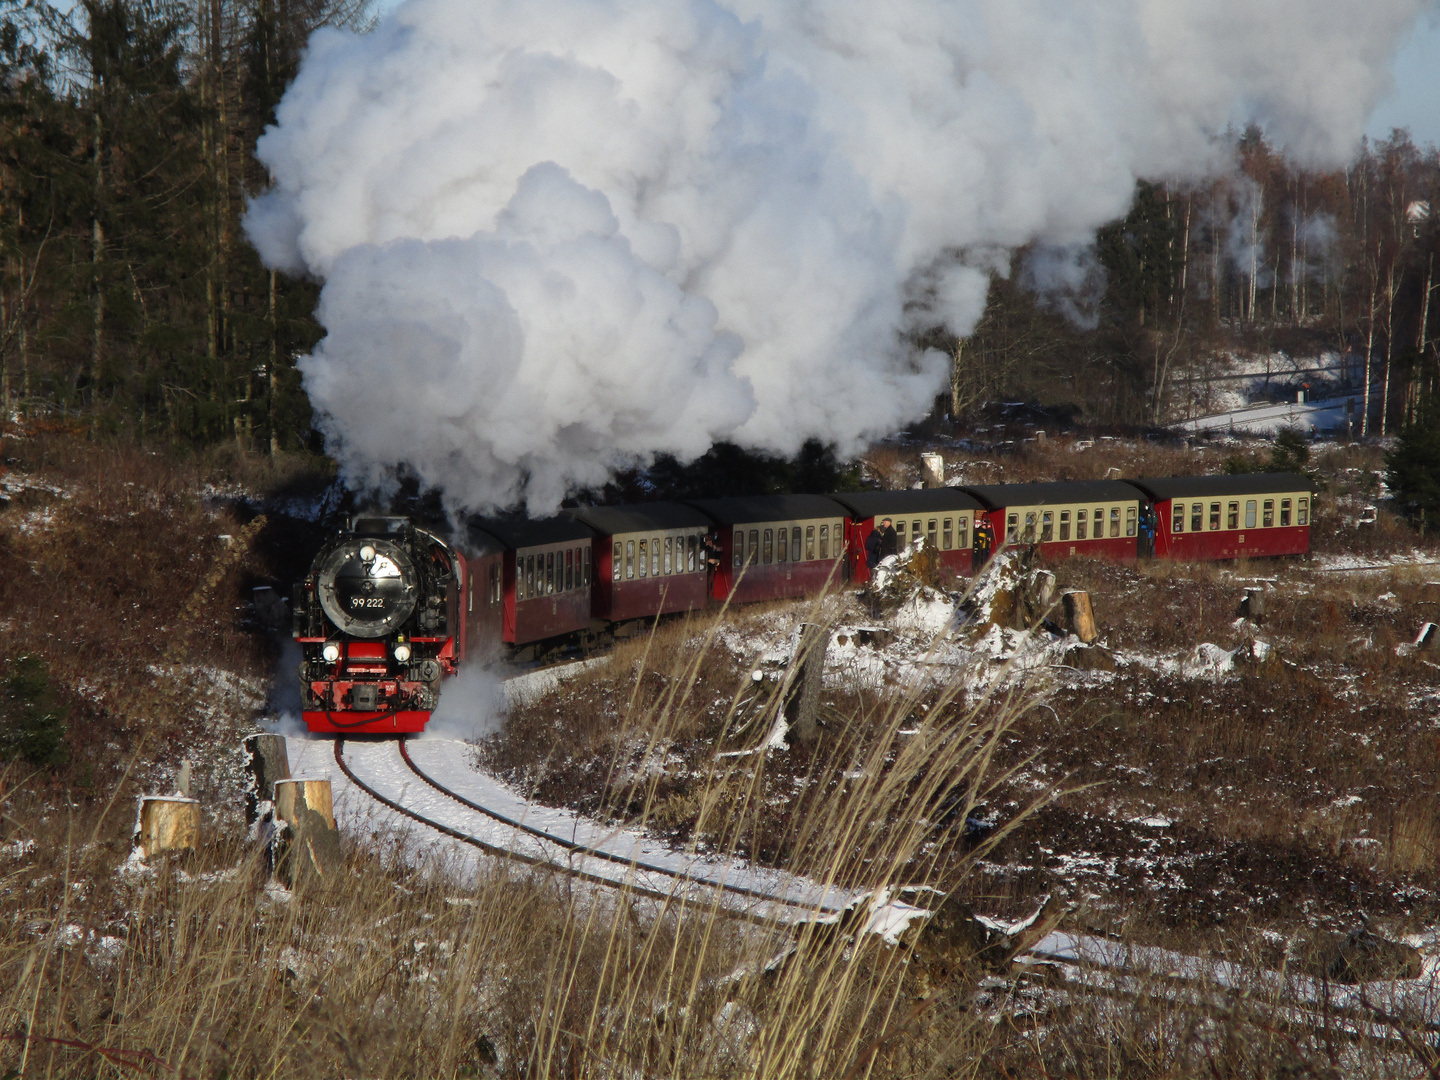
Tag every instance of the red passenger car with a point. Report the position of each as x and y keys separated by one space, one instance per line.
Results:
x=532 y=583
x=1088 y=517
x=776 y=546
x=649 y=559
x=944 y=516
x=1225 y=517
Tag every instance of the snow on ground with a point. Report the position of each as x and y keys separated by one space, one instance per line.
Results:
x=378 y=764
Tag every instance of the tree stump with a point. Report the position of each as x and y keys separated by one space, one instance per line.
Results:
x=1080 y=616
x=167 y=823
x=802 y=703
x=311 y=842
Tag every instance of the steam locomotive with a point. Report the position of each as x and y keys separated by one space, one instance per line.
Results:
x=390 y=609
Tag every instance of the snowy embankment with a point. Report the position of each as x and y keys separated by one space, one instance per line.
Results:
x=449 y=763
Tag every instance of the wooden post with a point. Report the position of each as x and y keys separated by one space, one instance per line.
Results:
x=1080 y=616
x=269 y=762
x=167 y=823
x=1253 y=606
x=311 y=842
x=1044 y=589
x=933 y=466
x=802 y=703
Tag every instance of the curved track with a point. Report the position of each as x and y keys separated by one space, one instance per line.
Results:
x=559 y=854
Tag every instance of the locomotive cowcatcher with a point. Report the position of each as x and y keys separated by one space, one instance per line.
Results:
x=379 y=626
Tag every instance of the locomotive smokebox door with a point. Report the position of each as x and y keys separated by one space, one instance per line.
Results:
x=368 y=588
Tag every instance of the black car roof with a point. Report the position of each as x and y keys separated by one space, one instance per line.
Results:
x=869 y=504
x=995 y=496
x=740 y=509
x=638 y=517
x=514 y=533
x=1160 y=488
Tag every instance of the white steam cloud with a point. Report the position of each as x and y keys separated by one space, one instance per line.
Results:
x=558 y=237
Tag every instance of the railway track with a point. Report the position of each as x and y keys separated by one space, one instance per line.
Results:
x=599 y=866
x=1091 y=965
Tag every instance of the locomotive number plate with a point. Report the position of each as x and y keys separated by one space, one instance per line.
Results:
x=367 y=602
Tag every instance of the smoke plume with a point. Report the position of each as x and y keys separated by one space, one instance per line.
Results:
x=558 y=237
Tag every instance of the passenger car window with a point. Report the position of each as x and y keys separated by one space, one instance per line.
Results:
x=1249 y=513
x=900 y=535
x=795 y=544
x=1302 y=512
x=616 y=562
x=1177 y=517
x=1030 y=527
x=1114 y=522
x=670 y=553
x=494 y=584
x=587 y=566
x=644 y=557
x=1131 y=513
x=809 y=541
x=1012 y=527
x=1080 y=525
x=962 y=532
x=1064 y=524
x=947 y=536
x=782 y=545
x=529 y=576
x=737 y=548
x=768 y=551
x=930 y=537
x=1214 y=516
x=824 y=541
x=1197 y=516
x=1269 y=520
x=1047 y=526
x=629 y=559
x=654 y=556
x=1284 y=511
x=549 y=573
x=754 y=545
x=1232 y=516
x=569 y=568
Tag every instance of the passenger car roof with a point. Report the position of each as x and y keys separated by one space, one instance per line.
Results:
x=638 y=517
x=1160 y=488
x=868 y=504
x=513 y=533
x=995 y=496
x=746 y=508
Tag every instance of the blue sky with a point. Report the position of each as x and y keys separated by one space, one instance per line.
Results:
x=1415 y=101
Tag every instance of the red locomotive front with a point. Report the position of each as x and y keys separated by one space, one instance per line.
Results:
x=377 y=619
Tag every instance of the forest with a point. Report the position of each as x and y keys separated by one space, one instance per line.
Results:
x=132 y=305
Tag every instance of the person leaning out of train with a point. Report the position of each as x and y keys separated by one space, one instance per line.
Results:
x=881 y=543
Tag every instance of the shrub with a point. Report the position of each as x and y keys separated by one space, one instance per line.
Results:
x=32 y=723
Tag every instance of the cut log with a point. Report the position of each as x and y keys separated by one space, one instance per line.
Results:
x=167 y=823
x=1080 y=616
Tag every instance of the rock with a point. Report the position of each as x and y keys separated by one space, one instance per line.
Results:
x=1252 y=605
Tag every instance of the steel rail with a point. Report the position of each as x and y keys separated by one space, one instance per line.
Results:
x=609 y=856
x=806 y=912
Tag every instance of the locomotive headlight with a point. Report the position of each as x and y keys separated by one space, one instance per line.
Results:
x=331 y=652
x=402 y=652
x=367 y=553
